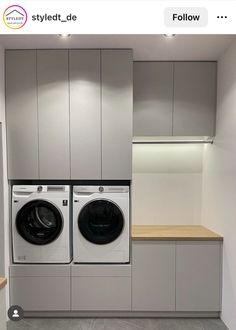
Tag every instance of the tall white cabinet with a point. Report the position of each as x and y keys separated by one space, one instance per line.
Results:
x=85 y=114
x=22 y=114
x=69 y=114
x=53 y=114
x=117 y=113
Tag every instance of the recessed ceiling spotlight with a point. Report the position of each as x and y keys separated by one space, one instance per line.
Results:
x=168 y=35
x=64 y=35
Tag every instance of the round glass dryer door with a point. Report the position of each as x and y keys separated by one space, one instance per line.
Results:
x=39 y=222
x=101 y=221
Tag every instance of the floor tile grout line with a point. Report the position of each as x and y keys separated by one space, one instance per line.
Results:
x=134 y=324
x=91 y=323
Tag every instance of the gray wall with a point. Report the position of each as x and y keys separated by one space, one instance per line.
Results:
x=2 y=248
x=219 y=180
x=4 y=212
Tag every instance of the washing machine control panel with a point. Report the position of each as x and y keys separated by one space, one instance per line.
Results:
x=101 y=189
x=40 y=188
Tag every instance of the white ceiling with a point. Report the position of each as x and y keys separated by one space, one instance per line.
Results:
x=146 y=47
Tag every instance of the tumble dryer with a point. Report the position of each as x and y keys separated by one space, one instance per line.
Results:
x=41 y=224
x=101 y=224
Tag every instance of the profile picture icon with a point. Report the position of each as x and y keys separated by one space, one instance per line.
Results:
x=15 y=313
x=15 y=17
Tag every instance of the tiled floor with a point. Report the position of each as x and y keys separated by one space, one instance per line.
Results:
x=117 y=324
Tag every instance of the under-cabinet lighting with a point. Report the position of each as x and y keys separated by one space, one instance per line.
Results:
x=171 y=139
x=64 y=35
x=169 y=35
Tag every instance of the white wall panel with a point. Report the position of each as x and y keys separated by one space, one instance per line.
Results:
x=219 y=180
x=167 y=184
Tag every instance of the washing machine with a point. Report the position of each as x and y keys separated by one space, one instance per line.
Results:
x=41 y=224
x=101 y=224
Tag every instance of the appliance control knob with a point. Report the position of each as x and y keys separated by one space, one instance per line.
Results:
x=40 y=188
x=101 y=189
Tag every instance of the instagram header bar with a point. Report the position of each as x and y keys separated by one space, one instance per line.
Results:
x=118 y=17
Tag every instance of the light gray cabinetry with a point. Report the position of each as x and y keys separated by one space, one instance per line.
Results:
x=85 y=114
x=101 y=288
x=21 y=114
x=41 y=287
x=117 y=113
x=176 y=276
x=53 y=114
x=174 y=98
x=69 y=114
x=194 y=98
x=198 y=276
x=153 y=276
x=181 y=276
x=153 y=98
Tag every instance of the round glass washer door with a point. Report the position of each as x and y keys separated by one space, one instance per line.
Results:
x=39 y=222
x=101 y=221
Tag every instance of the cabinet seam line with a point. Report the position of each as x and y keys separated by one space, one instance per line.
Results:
x=101 y=126
x=69 y=104
x=6 y=115
x=173 y=98
x=37 y=96
x=175 y=274
x=70 y=288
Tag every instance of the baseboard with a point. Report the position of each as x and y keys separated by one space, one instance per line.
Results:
x=120 y=314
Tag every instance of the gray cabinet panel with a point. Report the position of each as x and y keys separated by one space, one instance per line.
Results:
x=40 y=293
x=153 y=98
x=153 y=276
x=101 y=293
x=85 y=114
x=198 y=276
x=101 y=270
x=21 y=113
x=117 y=111
x=39 y=270
x=53 y=114
x=194 y=98
x=101 y=287
x=40 y=287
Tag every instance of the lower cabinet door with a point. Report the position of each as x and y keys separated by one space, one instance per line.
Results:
x=3 y=320
x=101 y=288
x=198 y=276
x=40 y=288
x=153 y=276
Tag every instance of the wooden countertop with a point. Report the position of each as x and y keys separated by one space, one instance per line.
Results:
x=3 y=282
x=173 y=233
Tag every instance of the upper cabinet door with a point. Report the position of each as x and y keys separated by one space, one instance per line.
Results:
x=194 y=98
x=53 y=114
x=85 y=114
x=21 y=112
x=117 y=113
x=153 y=98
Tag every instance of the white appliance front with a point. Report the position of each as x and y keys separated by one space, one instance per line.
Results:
x=41 y=224
x=101 y=224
